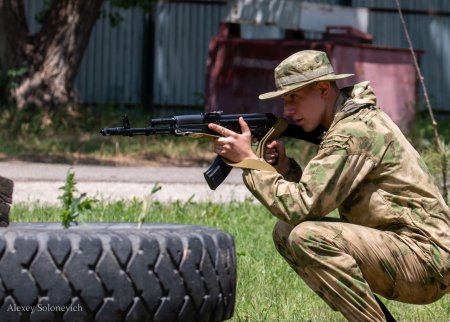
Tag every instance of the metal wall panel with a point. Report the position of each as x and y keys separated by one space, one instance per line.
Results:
x=112 y=70
x=182 y=36
x=183 y=32
x=428 y=32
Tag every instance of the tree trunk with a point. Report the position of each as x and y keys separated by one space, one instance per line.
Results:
x=13 y=35
x=52 y=56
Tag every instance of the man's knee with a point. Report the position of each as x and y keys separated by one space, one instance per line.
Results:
x=285 y=236
x=306 y=242
x=310 y=238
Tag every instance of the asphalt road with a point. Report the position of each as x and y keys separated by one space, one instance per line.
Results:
x=40 y=182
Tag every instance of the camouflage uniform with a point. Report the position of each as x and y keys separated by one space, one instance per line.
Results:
x=393 y=235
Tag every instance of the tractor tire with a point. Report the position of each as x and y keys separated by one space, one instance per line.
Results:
x=116 y=272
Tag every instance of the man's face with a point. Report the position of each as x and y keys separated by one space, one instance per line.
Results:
x=305 y=106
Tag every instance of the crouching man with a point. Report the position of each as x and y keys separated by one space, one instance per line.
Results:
x=393 y=234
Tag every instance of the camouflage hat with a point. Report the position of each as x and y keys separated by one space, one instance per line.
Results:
x=300 y=69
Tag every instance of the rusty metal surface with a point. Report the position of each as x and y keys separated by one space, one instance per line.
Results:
x=239 y=70
x=391 y=73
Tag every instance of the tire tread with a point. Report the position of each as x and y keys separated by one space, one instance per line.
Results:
x=116 y=272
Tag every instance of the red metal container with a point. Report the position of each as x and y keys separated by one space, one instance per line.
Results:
x=238 y=70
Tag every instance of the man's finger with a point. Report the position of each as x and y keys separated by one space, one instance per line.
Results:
x=244 y=126
x=220 y=129
x=272 y=144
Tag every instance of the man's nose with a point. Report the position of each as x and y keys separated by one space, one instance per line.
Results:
x=288 y=110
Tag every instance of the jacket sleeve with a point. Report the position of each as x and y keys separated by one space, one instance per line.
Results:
x=325 y=183
x=295 y=172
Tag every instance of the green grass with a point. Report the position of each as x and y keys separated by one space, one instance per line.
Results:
x=76 y=138
x=268 y=290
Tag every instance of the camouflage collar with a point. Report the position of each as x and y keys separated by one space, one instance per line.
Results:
x=339 y=104
x=352 y=99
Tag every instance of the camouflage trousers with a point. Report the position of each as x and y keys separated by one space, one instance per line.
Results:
x=344 y=263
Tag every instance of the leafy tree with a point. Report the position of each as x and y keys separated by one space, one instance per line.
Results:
x=51 y=57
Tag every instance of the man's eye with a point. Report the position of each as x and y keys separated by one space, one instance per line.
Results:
x=290 y=97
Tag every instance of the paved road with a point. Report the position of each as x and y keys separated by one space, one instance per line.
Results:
x=41 y=182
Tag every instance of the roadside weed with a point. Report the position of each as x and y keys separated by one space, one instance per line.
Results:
x=74 y=205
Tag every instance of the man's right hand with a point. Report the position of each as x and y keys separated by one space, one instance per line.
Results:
x=275 y=152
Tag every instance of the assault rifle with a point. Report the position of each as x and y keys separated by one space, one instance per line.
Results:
x=196 y=125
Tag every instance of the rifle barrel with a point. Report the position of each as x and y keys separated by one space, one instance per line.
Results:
x=149 y=130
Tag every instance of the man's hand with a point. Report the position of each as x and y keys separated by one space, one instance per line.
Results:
x=233 y=146
x=275 y=152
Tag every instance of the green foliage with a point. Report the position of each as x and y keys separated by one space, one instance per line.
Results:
x=115 y=17
x=11 y=77
x=423 y=139
x=148 y=200
x=41 y=16
x=73 y=205
x=72 y=135
x=126 y=4
x=9 y=81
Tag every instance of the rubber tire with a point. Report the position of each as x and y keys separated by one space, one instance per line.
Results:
x=116 y=272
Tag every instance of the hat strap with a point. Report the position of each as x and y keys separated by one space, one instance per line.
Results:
x=292 y=79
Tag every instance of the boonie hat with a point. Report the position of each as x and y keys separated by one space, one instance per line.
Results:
x=300 y=69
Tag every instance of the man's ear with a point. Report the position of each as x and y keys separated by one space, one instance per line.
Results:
x=324 y=88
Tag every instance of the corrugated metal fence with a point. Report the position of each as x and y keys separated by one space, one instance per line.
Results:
x=112 y=66
x=181 y=46
x=116 y=64
x=117 y=59
x=428 y=23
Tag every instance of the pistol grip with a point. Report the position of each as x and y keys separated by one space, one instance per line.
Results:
x=217 y=172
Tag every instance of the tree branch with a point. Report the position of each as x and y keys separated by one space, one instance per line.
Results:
x=439 y=146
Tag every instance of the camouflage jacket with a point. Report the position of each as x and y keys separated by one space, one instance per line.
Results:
x=367 y=169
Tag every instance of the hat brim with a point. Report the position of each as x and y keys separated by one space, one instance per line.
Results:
x=290 y=88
